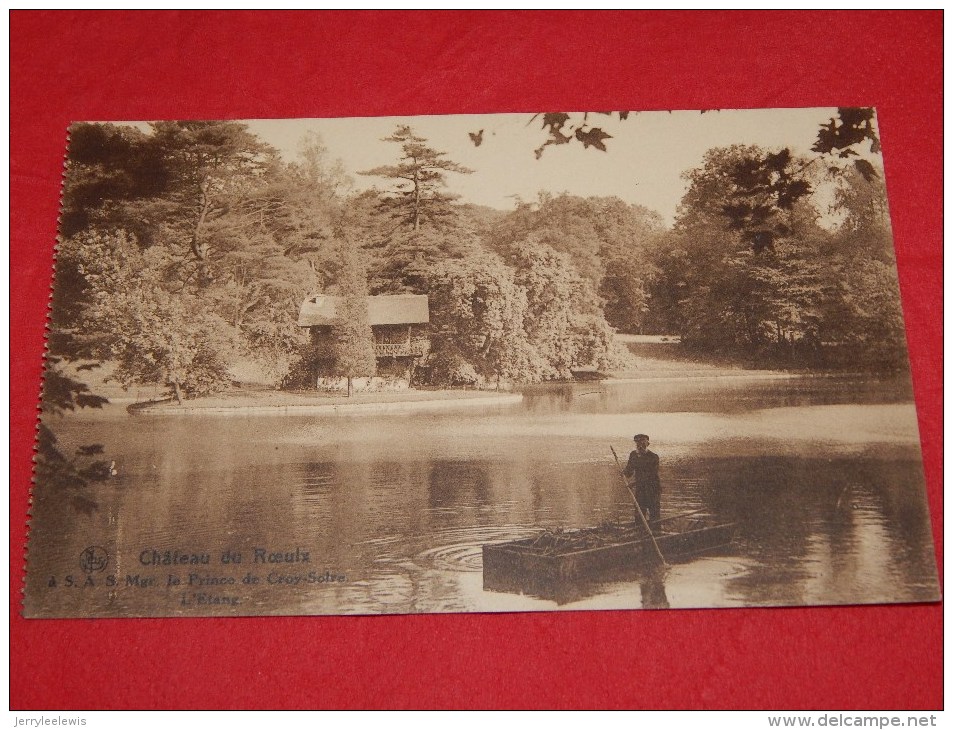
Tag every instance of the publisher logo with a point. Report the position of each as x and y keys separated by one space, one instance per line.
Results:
x=93 y=559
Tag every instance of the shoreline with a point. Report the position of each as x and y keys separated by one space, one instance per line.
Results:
x=247 y=405
x=753 y=375
x=255 y=402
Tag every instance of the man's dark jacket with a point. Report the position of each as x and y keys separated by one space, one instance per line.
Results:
x=642 y=469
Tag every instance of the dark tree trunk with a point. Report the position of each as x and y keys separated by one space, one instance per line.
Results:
x=200 y=248
x=416 y=202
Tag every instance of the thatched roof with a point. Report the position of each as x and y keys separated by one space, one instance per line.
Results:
x=321 y=310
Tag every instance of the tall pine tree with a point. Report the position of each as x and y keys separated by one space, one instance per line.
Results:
x=419 y=181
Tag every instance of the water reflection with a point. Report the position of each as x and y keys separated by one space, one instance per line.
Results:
x=648 y=580
x=401 y=506
x=735 y=394
x=652 y=591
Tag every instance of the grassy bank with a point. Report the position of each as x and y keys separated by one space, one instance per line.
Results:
x=654 y=357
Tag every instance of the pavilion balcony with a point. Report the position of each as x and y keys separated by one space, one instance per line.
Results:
x=415 y=348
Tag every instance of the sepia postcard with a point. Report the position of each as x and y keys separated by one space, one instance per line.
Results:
x=510 y=362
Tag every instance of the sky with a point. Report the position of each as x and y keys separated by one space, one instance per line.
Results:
x=645 y=159
x=643 y=164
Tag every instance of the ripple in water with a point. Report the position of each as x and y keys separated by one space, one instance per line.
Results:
x=467 y=555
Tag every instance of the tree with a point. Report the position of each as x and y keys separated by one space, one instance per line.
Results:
x=164 y=187
x=416 y=224
x=806 y=295
x=300 y=203
x=761 y=190
x=477 y=316
x=559 y=303
x=765 y=184
x=864 y=226
x=566 y=223
x=731 y=296
x=607 y=242
x=630 y=237
x=258 y=293
x=863 y=316
x=209 y=163
x=404 y=262
x=419 y=181
x=768 y=184
x=352 y=338
x=154 y=332
x=110 y=173
x=226 y=232
x=108 y=169
x=525 y=319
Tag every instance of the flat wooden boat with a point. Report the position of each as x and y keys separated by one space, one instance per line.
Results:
x=556 y=557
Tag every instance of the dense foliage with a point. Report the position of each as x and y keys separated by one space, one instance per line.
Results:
x=352 y=353
x=188 y=247
x=69 y=472
x=809 y=295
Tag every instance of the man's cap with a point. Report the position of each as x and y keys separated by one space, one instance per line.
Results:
x=640 y=436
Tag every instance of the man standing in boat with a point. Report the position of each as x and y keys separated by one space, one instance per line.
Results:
x=642 y=473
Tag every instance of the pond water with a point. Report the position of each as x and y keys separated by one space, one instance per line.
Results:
x=822 y=476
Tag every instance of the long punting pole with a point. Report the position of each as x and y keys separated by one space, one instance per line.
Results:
x=638 y=508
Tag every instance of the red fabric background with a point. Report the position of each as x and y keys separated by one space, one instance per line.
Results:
x=113 y=66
